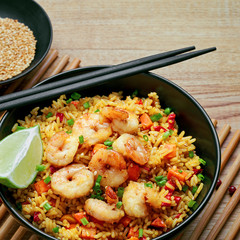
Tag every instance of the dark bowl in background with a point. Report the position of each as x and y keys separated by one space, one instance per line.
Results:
x=32 y=15
x=190 y=116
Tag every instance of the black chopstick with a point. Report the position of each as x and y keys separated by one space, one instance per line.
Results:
x=93 y=74
x=34 y=98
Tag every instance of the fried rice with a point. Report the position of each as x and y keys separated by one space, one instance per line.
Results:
x=176 y=196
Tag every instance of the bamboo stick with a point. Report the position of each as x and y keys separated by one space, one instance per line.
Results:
x=74 y=64
x=214 y=121
x=33 y=237
x=230 y=148
x=224 y=133
x=216 y=199
x=3 y=210
x=62 y=63
x=225 y=215
x=6 y=226
x=19 y=233
x=51 y=57
x=234 y=229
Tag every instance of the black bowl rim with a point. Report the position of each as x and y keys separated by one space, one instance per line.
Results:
x=191 y=217
x=30 y=68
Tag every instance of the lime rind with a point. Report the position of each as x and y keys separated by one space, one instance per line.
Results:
x=27 y=152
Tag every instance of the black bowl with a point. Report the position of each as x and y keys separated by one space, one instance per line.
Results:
x=32 y=15
x=190 y=117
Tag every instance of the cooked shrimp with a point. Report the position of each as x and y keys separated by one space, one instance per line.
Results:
x=61 y=149
x=111 y=166
x=122 y=121
x=102 y=211
x=93 y=127
x=131 y=147
x=134 y=200
x=73 y=181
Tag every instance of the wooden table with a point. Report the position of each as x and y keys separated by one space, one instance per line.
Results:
x=111 y=32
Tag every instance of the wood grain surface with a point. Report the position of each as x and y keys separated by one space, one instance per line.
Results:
x=110 y=32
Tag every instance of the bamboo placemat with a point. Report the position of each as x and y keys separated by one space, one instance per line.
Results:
x=11 y=230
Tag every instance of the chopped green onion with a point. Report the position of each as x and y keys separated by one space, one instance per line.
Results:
x=120 y=191
x=200 y=176
x=148 y=185
x=159 y=178
x=167 y=134
x=69 y=132
x=99 y=178
x=194 y=189
x=49 y=115
x=191 y=203
x=203 y=162
x=140 y=234
x=184 y=188
x=97 y=111
x=19 y=206
x=156 y=117
x=47 y=179
x=97 y=196
x=108 y=143
x=180 y=171
x=134 y=94
x=145 y=137
x=70 y=122
x=47 y=206
x=55 y=230
x=191 y=154
x=195 y=206
x=81 y=139
x=167 y=111
x=69 y=100
x=75 y=96
x=84 y=221
x=20 y=128
x=86 y=105
x=162 y=183
x=109 y=148
x=119 y=204
x=40 y=168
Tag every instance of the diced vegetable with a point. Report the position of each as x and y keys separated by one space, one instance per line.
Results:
x=203 y=162
x=97 y=111
x=156 y=117
x=184 y=188
x=191 y=203
x=146 y=121
x=125 y=221
x=191 y=154
x=81 y=139
x=200 y=176
x=140 y=102
x=79 y=216
x=69 y=218
x=47 y=179
x=40 y=168
x=174 y=173
x=84 y=221
x=167 y=111
x=133 y=172
x=171 y=120
x=145 y=137
x=194 y=189
x=49 y=115
x=132 y=233
x=69 y=100
x=56 y=229
x=75 y=96
x=47 y=206
x=72 y=225
x=86 y=105
x=134 y=94
x=70 y=122
x=177 y=199
x=178 y=215
x=119 y=204
x=120 y=191
x=159 y=223
x=167 y=134
x=108 y=143
x=88 y=233
x=158 y=128
x=173 y=149
x=36 y=217
x=140 y=232
x=148 y=185
x=41 y=187
x=60 y=116
x=75 y=103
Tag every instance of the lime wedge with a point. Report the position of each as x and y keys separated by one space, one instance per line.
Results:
x=20 y=152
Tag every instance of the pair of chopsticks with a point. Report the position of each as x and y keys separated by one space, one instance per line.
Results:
x=86 y=80
x=219 y=194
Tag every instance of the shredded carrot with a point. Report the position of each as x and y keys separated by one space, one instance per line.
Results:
x=146 y=121
x=88 y=233
x=176 y=173
x=41 y=187
x=158 y=222
x=173 y=149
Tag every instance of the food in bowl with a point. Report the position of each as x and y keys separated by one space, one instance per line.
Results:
x=18 y=46
x=113 y=168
